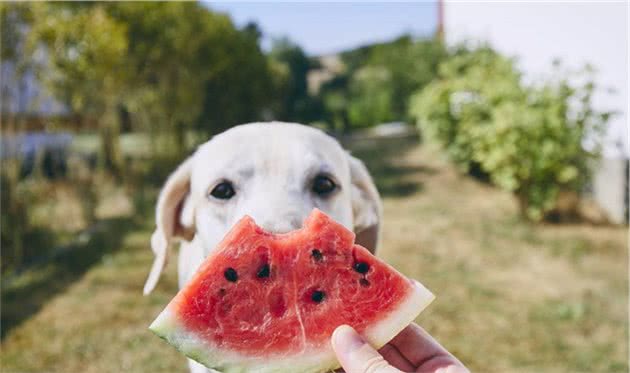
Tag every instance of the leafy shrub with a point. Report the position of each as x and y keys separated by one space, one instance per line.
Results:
x=370 y=97
x=529 y=139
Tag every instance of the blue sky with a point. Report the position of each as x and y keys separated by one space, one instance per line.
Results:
x=322 y=28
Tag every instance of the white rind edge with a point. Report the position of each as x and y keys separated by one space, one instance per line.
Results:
x=168 y=327
x=385 y=330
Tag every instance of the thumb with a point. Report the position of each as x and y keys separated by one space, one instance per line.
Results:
x=356 y=355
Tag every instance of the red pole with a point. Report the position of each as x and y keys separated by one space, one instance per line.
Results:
x=440 y=20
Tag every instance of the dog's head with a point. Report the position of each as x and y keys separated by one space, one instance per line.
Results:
x=274 y=172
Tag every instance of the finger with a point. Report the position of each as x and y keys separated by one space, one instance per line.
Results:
x=356 y=355
x=395 y=358
x=424 y=352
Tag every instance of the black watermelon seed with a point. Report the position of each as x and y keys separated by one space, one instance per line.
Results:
x=230 y=274
x=361 y=267
x=317 y=255
x=364 y=282
x=317 y=296
x=263 y=271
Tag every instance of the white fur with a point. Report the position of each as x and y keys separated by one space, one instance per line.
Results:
x=272 y=166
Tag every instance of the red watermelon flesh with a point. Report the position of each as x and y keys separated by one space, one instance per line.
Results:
x=265 y=302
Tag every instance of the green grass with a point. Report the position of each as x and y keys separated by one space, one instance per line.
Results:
x=511 y=297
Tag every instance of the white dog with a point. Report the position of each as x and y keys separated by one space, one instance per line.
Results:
x=274 y=172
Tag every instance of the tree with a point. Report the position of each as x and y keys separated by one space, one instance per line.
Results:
x=332 y=100
x=85 y=66
x=166 y=68
x=411 y=64
x=243 y=87
x=296 y=103
x=16 y=64
x=170 y=57
x=192 y=69
x=378 y=80
x=372 y=96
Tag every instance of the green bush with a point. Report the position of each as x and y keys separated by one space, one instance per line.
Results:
x=370 y=97
x=529 y=139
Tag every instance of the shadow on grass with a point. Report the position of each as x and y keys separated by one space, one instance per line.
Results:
x=381 y=158
x=26 y=293
x=35 y=241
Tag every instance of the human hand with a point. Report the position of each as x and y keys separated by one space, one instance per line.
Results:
x=412 y=350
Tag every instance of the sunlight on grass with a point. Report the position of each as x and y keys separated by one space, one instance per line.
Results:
x=511 y=297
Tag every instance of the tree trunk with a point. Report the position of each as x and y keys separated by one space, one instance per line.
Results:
x=111 y=153
x=523 y=204
x=180 y=138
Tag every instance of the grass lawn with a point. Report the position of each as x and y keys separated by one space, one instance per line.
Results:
x=511 y=297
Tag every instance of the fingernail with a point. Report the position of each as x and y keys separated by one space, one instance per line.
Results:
x=346 y=340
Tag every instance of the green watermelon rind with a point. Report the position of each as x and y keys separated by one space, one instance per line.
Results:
x=168 y=327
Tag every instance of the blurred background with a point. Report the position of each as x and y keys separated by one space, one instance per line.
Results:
x=496 y=133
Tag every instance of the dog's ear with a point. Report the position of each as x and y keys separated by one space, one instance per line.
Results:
x=174 y=218
x=366 y=205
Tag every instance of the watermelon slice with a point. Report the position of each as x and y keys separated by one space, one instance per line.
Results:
x=263 y=302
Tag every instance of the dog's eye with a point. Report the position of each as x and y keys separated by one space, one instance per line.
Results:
x=323 y=185
x=223 y=190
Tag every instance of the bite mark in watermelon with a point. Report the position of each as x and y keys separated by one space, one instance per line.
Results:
x=265 y=302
